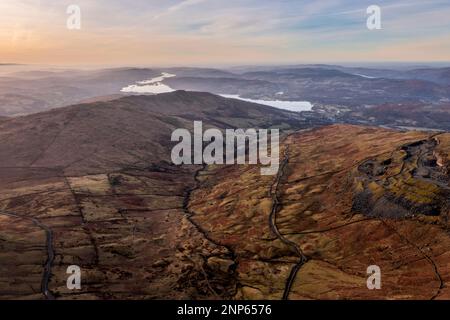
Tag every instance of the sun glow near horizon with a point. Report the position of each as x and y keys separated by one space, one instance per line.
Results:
x=193 y=32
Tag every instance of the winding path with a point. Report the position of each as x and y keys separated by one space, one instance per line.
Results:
x=50 y=253
x=273 y=226
x=189 y=216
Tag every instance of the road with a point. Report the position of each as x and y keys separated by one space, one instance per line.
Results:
x=274 y=190
x=50 y=253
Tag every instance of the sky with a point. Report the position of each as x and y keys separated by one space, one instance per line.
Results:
x=222 y=32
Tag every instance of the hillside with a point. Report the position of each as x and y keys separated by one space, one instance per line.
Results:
x=345 y=198
x=100 y=136
x=92 y=185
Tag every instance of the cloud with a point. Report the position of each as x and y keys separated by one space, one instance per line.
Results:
x=213 y=31
x=179 y=6
x=184 y=4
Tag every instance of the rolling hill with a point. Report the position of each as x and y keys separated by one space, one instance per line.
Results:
x=93 y=185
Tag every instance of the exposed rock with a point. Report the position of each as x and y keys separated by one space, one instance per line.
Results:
x=220 y=265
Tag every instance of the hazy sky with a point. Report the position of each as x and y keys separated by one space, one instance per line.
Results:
x=208 y=32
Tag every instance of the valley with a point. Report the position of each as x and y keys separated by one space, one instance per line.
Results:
x=111 y=202
x=140 y=227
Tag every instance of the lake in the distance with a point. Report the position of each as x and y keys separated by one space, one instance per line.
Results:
x=155 y=86
x=296 y=106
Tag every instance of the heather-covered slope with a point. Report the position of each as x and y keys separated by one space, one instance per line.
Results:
x=90 y=138
x=92 y=185
x=310 y=235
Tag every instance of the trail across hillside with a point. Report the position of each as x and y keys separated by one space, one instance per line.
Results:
x=273 y=226
x=50 y=253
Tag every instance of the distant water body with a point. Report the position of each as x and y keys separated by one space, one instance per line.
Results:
x=155 y=86
x=296 y=106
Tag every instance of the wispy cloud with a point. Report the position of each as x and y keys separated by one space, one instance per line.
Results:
x=217 y=31
x=179 y=6
x=184 y=4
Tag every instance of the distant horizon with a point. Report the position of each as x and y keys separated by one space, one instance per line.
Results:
x=365 y=64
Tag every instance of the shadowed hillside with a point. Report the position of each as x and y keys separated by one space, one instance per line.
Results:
x=92 y=185
x=91 y=138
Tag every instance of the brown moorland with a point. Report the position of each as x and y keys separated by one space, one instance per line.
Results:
x=92 y=185
x=305 y=234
